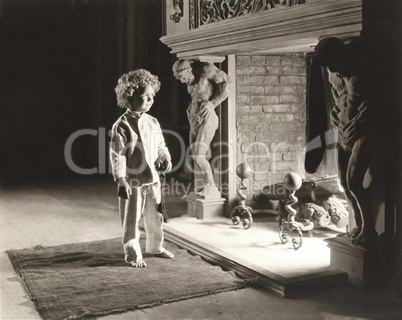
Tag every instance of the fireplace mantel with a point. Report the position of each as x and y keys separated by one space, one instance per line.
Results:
x=279 y=30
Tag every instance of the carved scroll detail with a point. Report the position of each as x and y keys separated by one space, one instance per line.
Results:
x=193 y=14
x=176 y=10
x=219 y=10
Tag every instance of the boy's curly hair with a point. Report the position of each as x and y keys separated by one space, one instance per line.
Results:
x=129 y=84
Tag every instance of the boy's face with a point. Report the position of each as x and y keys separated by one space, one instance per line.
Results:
x=143 y=100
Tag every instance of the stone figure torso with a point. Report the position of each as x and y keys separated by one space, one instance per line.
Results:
x=348 y=96
x=201 y=91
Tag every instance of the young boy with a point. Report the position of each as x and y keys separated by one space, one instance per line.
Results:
x=137 y=151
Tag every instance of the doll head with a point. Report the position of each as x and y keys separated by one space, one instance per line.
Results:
x=133 y=84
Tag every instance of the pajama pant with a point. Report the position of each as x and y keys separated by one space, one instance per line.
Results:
x=144 y=201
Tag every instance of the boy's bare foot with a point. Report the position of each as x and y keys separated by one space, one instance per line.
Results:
x=165 y=254
x=139 y=264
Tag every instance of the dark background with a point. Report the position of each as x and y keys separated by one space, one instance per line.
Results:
x=59 y=64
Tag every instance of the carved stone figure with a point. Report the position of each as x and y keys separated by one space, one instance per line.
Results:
x=355 y=117
x=208 y=87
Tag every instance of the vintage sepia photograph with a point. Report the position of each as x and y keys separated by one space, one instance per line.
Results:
x=201 y=159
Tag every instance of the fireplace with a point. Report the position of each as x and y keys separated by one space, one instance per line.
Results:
x=267 y=52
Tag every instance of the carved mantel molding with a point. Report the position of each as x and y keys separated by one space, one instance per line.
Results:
x=294 y=29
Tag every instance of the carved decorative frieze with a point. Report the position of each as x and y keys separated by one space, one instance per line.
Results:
x=193 y=14
x=219 y=10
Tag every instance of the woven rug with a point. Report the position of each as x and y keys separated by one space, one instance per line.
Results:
x=88 y=279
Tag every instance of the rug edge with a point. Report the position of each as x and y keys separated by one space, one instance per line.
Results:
x=15 y=263
x=244 y=283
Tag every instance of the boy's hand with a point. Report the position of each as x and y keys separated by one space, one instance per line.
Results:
x=163 y=163
x=123 y=189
